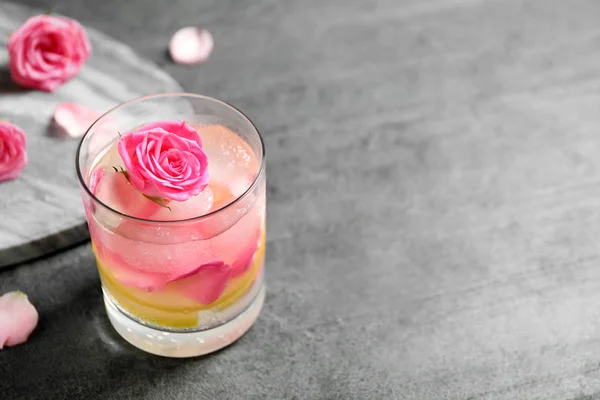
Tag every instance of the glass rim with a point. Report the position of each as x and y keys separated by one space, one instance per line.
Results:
x=168 y=222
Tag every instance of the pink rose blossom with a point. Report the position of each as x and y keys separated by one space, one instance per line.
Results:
x=47 y=51
x=13 y=155
x=18 y=318
x=95 y=179
x=165 y=160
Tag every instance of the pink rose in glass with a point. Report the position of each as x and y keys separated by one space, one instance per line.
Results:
x=47 y=51
x=13 y=156
x=165 y=160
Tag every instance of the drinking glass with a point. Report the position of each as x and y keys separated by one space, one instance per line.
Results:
x=187 y=279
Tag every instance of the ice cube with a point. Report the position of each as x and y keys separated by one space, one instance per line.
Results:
x=233 y=244
x=195 y=206
x=229 y=156
x=115 y=191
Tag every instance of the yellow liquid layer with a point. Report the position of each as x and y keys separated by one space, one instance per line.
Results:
x=171 y=309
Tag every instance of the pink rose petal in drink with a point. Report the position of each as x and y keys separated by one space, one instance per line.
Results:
x=175 y=276
x=191 y=45
x=244 y=261
x=95 y=179
x=133 y=277
x=125 y=273
x=207 y=282
x=18 y=318
x=74 y=119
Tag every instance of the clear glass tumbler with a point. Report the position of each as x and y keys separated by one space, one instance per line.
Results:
x=180 y=278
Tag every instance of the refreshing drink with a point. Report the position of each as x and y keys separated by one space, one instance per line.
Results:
x=176 y=213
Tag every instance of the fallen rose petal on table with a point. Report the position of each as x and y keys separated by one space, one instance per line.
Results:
x=191 y=45
x=18 y=318
x=74 y=119
x=13 y=151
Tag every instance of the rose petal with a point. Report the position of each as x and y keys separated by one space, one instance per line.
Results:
x=133 y=277
x=18 y=318
x=74 y=119
x=191 y=45
x=204 y=284
x=182 y=275
x=125 y=273
x=95 y=179
x=244 y=261
x=179 y=128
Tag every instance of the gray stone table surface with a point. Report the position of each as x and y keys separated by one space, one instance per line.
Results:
x=433 y=210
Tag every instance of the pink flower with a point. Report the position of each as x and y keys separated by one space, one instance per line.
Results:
x=47 y=51
x=13 y=156
x=165 y=160
x=18 y=318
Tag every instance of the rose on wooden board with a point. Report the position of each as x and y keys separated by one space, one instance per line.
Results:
x=13 y=151
x=47 y=51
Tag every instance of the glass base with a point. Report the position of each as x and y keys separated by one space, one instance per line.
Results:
x=186 y=344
